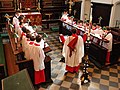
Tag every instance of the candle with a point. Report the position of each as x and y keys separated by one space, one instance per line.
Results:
x=90 y=18
x=20 y=6
x=38 y=5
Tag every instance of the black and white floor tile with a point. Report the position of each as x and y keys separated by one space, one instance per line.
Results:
x=105 y=79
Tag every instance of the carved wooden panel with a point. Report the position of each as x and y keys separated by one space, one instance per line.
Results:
x=6 y=5
x=27 y=4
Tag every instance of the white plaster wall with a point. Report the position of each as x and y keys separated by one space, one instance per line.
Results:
x=115 y=13
x=87 y=8
x=114 y=1
x=103 y=1
x=82 y=10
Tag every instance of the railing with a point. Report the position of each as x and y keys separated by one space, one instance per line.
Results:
x=93 y=37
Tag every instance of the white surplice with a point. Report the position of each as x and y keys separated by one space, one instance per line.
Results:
x=77 y=54
x=108 y=45
x=16 y=23
x=38 y=57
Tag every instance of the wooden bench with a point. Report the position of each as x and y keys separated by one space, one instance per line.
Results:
x=28 y=64
x=2 y=74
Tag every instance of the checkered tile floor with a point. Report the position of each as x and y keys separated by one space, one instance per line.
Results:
x=105 y=79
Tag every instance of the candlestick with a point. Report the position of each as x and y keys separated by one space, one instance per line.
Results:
x=38 y=5
x=90 y=18
x=70 y=6
x=20 y=6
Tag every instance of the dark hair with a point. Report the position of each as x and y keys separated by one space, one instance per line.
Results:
x=27 y=31
x=32 y=38
x=73 y=30
x=98 y=24
x=80 y=21
x=24 y=29
x=28 y=35
x=21 y=17
x=69 y=15
x=94 y=24
x=65 y=10
x=17 y=12
x=20 y=23
x=108 y=28
x=38 y=38
x=87 y=24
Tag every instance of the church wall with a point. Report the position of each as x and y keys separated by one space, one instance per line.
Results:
x=87 y=8
x=115 y=14
x=114 y=1
x=103 y=1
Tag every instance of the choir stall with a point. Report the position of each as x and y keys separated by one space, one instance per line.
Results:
x=15 y=65
x=97 y=52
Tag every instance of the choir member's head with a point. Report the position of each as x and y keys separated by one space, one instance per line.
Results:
x=98 y=25
x=73 y=31
x=86 y=24
x=21 y=24
x=21 y=18
x=27 y=31
x=72 y=18
x=32 y=38
x=28 y=21
x=28 y=35
x=17 y=14
x=69 y=17
x=94 y=26
x=80 y=22
x=24 y=29
x=108 y=29
x=38 y=38
x=65 y=12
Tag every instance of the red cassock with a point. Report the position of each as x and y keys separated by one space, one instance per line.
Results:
x=108 y=57
x=84 y=37
x=62 y=39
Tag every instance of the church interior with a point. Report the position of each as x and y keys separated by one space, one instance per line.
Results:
x=33 y=35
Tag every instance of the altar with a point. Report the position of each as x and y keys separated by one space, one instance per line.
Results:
x=34 y=17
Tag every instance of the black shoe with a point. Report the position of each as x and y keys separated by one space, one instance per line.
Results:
x=62 y=60
x=37 y=86
x=65 y=73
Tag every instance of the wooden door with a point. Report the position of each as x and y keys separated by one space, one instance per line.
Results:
x=103 y=10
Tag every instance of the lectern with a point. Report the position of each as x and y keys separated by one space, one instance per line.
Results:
x=18 y=81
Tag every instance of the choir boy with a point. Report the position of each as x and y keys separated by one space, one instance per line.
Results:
x=64 y=16
x=109 y=37
x=38 y=57
x=73 y=51
x=98 y=30
x=16 y=21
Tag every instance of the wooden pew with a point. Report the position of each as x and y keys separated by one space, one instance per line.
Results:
x=22 y=64
x=28 y=64
x=12 y=38
x=2 y=74
x=97 y=53
x=115 y=54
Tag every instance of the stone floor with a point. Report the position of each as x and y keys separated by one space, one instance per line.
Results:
x=100 y=79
